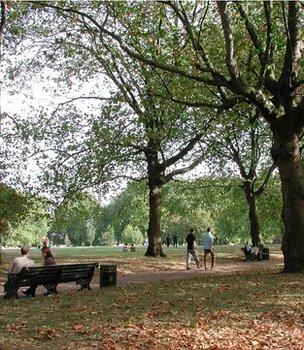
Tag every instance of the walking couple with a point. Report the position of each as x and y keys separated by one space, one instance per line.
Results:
x=208 y=240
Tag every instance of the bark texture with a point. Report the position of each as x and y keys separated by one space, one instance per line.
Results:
x=154 y=228
x=253 y=215
x=286 y=154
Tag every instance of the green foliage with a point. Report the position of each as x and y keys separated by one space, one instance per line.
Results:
x=270 y=209
x=77 y=218
x=131 y=234
x=107 y=237
x=32 y=228
x=29 y=232
x=13 y=208
x=218 y=203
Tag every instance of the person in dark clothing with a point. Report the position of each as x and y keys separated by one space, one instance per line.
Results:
x=191 y=249
x=262 y=253
x=48 y=257
x=175 y=240
x=168 y=240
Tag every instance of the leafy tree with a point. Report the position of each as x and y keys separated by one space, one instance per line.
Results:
x=242 y=142
x=224 y=207
x=132 y=234
x=107 y=237
x=77 y=218
x=161 y=139
x=265 y=73
x=13 y=209
x=31 y=229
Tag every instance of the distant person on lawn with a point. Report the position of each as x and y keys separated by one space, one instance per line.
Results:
x=168 y=240
x=45 y=242
x=208 y=240
x=132 y=248
x=191 y=249
x=175 y=240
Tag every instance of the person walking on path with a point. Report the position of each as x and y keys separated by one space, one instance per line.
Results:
x=208 y=240
x=191 y=249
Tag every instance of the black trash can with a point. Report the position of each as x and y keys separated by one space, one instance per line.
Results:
x=108 y=275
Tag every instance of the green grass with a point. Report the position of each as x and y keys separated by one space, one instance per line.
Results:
x=130 y=262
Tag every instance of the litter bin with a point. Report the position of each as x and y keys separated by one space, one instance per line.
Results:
x=108 y=275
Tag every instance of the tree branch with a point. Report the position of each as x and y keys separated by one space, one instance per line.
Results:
x=83 y=98
x=3 y=17
x=230 y=59
x=219 y=81
x=293 y=46
x=182 y=153
x=262 y=188
x=184 y=170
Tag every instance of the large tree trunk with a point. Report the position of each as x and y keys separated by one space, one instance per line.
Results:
x=286 y=154
x=253 y=216
x=154 y=228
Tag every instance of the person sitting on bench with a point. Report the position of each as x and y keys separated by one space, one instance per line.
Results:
x=22 y=261
x=48 y=261
x=18 y=264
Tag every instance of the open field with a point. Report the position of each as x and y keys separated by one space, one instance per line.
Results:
x=131 y=262
x=260 y=309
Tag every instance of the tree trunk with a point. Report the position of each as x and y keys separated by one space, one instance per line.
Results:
x=286 y=154
x=253 y=215
x=1 y=256
x=154 y=228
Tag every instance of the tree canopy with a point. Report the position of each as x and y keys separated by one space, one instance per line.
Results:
x=178 y=70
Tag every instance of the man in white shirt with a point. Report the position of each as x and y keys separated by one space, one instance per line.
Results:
x=22 y=261
x=208 y=240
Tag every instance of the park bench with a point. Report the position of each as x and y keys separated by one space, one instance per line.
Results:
x=50 y=276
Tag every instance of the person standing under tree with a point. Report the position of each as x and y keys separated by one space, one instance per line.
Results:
x=191 y=249
x=208 y=240
x=168 y=240
x=175 y=240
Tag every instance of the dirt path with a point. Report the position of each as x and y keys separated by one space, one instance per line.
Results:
x=160 y=276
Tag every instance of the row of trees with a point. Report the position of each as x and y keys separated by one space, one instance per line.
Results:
x=82 y=221
x=176 y=99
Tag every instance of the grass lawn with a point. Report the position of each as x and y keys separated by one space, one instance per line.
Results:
x=253 y=310
x=131 y=262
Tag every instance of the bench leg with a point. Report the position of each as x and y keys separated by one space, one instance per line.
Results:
x=50 y=289
x=10 y=295
x=84 y=284
x=10 y=288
